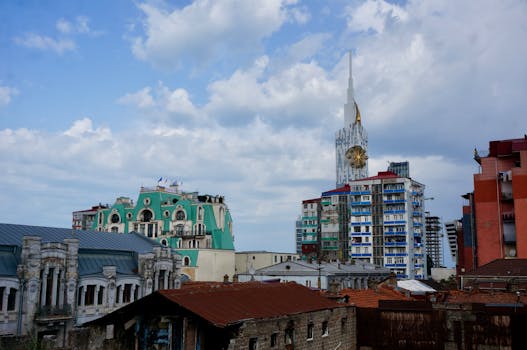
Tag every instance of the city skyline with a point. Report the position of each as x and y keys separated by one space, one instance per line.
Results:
x=243 y=100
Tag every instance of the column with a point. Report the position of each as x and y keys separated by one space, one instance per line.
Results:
x=44 y=284
x=54 y=287
x=132 y=296
x=165 y=282
x=96 y=296
x=83 y=295
x=61 y=288
x=121 y=292
x=156 y=280
x=4 y=299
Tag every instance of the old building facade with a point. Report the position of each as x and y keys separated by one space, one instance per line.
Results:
x=54 y=279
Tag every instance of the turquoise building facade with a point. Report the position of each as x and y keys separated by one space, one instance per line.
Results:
x=196 y=226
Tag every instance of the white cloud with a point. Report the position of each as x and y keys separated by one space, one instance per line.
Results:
x=35 y=41
x=6 y=94
x=374 y=15
x=83 y=128
x=141 y=98
x=63 y=26
x=205 y=28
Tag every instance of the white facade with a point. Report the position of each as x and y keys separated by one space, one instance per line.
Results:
x=387 y=224
x=245 y=261
x=352 y=136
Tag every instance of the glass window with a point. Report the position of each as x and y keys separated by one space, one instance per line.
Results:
x=325 y=329
x=274 y=339
x=310 y=327
x=253 y=343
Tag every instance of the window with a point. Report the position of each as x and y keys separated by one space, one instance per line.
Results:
x=115 y=218
x=274 y=339
x=325 y=330
x=2 y=291
x=89 y=298
x=180 y=215
x=179 y=230
x=127 y=293
x=186 y=261
x=11 y=299
x=100 y=296
x=253 y=343
x=146 y=216
x=289 y=336
x=310 y=327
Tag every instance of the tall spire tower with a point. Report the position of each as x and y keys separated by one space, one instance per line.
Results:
x=351 y=142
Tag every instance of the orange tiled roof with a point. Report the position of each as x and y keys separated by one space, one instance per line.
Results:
x=369 y=298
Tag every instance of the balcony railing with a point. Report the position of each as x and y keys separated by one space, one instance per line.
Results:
x=53 y=311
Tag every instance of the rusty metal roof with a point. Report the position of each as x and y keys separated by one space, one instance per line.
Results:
x=226 y=304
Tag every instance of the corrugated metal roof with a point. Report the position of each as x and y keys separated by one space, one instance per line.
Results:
x=226 y=304
x=92 y=264
x=11 y=234
x=414 y=286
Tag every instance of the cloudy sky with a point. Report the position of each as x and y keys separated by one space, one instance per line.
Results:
x=243 y=98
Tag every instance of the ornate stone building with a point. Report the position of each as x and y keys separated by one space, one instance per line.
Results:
x=53 y=279
x=199 y=227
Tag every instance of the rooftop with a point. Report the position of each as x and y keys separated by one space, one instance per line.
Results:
x=224 y=304
x=369 y=298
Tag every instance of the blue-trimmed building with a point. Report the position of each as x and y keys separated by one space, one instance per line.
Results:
x=52 y=279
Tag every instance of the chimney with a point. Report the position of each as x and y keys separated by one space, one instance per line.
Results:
x=235 y=279
x=226 y=278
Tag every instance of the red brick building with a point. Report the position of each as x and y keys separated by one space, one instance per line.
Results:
x=495 y=217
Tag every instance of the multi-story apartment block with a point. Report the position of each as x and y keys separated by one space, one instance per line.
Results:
x=387 y=223
x=84 y=219
x=199 y=227
x=452 y=228
x=334 y=224
x=310 y=227
x=495 y=215
x=434 y=239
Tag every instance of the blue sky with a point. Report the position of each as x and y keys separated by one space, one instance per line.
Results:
x=243 y=98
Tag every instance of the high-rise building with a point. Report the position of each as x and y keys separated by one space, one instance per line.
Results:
x=434 y=239
x=453 y=230
x=400 y=168
x=334 y=224
x=351 y=142
x=310 y=229
x=199 y=227
x=387 y=223
x=495 y=217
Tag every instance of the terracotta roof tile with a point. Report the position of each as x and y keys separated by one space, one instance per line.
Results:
x=369 y=298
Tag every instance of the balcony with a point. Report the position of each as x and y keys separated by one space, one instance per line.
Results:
x=506 y=196
x=395 y=222
x=394 y=201
x=361 y=203
x=396 y=190
x=396 y=244
x=395 y=233
x=46 y=313
x=360 y=255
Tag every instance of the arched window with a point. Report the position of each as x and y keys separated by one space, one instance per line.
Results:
x=115 y=229
x=186 y=261
x=200 y=213
x=146 y=216
x=180 y=215
x=164 y=242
